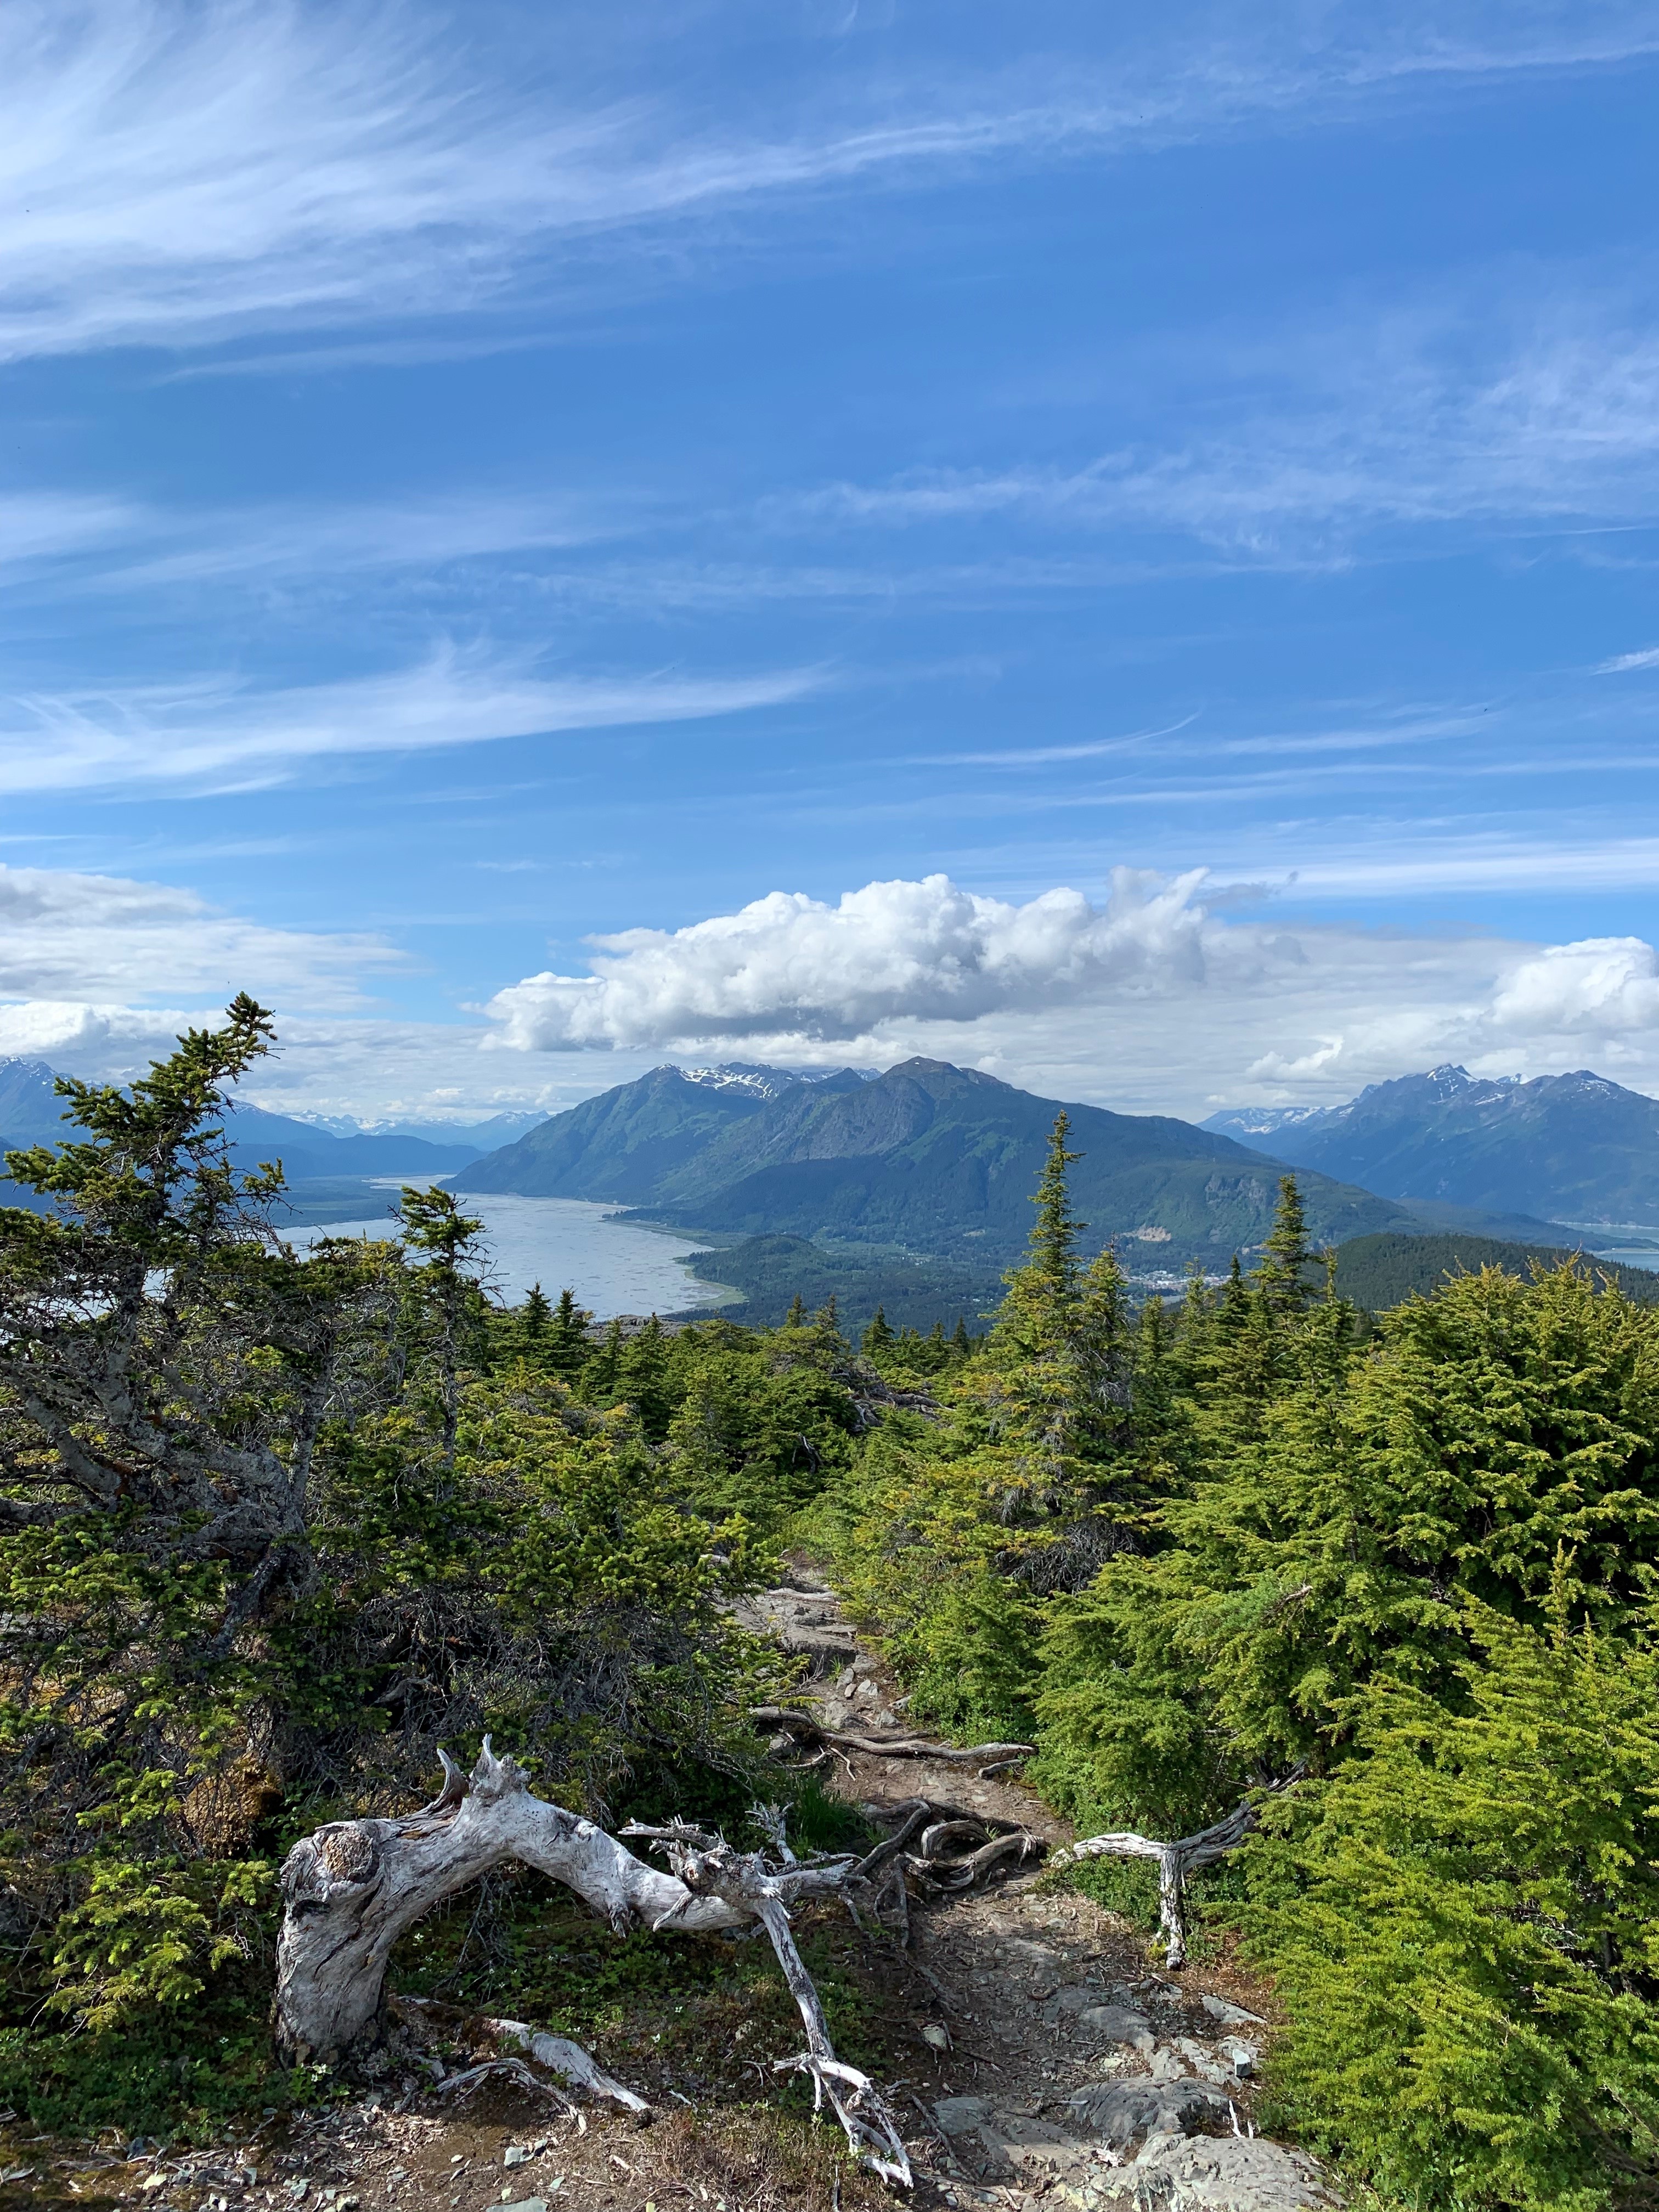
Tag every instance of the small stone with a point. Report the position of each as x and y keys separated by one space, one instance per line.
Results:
x=527 y=2204
x=515 y=2154
x=938 y=2037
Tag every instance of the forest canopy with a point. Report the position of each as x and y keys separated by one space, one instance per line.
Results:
x=277 y=1523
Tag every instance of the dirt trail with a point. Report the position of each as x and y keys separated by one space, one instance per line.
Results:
x=1071 y=2070
x=1042 y=2059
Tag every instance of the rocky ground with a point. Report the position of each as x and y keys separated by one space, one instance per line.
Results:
x=1036 y=2058
x=1069 y=2071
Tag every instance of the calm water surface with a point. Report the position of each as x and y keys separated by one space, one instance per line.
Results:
x=613 y=1266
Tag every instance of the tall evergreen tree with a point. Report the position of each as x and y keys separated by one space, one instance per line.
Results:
x=1287 y=1256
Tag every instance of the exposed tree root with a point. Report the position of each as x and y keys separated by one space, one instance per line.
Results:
x=351 y=1889
x=801 y=1725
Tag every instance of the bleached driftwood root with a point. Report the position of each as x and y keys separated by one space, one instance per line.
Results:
x=709 y=1867
x=802 y=1725
x=1174 y=1862
x=567 y=2061
x=350 y=1890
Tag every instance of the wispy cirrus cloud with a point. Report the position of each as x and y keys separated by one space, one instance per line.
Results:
x=1403 y=419
x=214 y=729
x=356 y=163
x=1622 y=663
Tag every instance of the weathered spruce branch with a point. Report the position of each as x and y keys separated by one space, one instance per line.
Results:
x=1175 y=1861
x=350 y=1890
x=567 y=2061
x=795 y=1723
x=710 y=1868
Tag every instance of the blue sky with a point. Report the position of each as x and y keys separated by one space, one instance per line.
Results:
x=1121 y=553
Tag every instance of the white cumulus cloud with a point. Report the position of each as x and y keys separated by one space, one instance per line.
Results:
x=1148 y=999
x=1601 y=986
x=792 y=965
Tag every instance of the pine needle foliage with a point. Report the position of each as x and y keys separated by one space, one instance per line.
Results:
x=1463 y=1924
x=276 y=1524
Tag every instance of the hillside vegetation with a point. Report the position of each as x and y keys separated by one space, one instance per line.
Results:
x=272 y=1527
x=1378 y=1272
x=772 y=1272
x=1396 y=1588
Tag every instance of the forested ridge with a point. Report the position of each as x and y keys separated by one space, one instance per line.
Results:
x=275 y=1526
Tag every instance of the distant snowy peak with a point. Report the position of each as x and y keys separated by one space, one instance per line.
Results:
x=765 y=1083
x=1259 y=1120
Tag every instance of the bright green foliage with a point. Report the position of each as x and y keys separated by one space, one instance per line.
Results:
x=1464 y=1925
x=1338 y=1503
x=952 y=1536
x=273 y=1526
x=1351 y=1554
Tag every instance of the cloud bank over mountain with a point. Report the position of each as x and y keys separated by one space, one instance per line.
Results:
x=1144 y=995
x=1168 y=994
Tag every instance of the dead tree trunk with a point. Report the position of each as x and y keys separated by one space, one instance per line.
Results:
x=1174 y=1862
x=351 y=1890
x=354 y=1887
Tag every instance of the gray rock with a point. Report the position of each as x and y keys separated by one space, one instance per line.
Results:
x=961 y=2116
x=526 y=2204
x=1117 y=2024
x=1230 y=2015
x=1202 y=2061
x=1237 y=2173
x=1125 y=2113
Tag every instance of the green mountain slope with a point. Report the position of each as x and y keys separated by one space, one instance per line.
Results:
x=769 y=1272
x=1568 y=1147
x=1378 y=1272
x=928 y=1157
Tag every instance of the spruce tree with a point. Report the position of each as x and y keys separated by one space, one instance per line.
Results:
x=877 y=1337
x=537 y=1312
x=1282 y=1277
x=567 y=1348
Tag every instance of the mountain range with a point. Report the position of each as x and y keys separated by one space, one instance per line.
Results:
x=327 y=1173
x=925 y=1158
x=1574 y=1148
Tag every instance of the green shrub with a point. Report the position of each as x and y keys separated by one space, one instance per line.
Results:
x=1463 y=1924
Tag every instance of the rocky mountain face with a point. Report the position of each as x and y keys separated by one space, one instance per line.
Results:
x=29 y=1107
x=1572 y=1148
x=927 y=1157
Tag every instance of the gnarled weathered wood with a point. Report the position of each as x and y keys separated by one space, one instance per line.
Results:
x=710 y=1868
x=889 y=1747
x=353 y=1889
x=1174 y=1862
